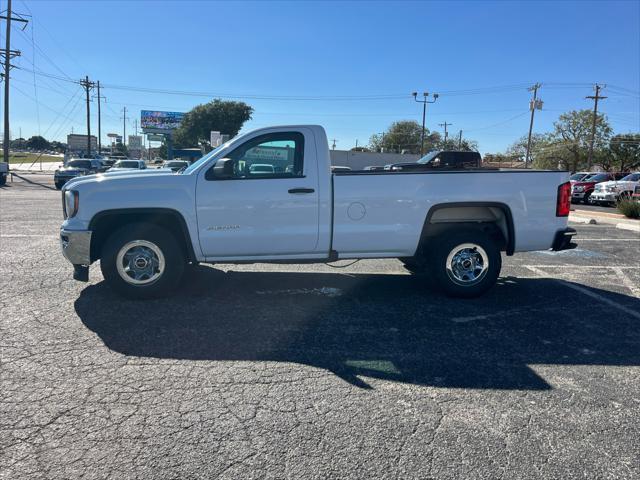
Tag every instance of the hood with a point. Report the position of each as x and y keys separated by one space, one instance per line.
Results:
x=72 y=169
x=612 y=183
x=118 y=174
x=578 y=183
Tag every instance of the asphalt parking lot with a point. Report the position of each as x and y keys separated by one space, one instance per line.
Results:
x=313 y=372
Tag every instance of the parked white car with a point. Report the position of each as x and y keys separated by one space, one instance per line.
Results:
x=615 y=190
x=128 y=165
x=145 y=228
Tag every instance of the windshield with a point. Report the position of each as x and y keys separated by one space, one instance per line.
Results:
x=578 y=176
x=202 y=160
x=428 y=157
x=126 y=164
x=634 y=177
x=80 y=164
x=599 y=177
x=175 y=164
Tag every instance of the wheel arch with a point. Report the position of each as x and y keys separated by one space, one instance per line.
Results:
x=104 y=223
x=496 y=216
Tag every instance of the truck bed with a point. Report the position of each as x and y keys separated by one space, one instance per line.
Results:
x=381 y=213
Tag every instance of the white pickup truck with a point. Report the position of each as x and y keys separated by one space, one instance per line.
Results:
x=145 y=227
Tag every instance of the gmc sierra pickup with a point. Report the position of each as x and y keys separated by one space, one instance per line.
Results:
x=145 y=227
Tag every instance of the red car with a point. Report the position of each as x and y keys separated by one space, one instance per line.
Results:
x=582 y=189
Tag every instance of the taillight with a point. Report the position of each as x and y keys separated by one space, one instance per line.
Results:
x=563 y=202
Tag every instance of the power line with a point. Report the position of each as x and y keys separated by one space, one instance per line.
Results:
x=87 y=85
x=8 y=55
x=533 y=106
x=595 y=99
x=445 y=125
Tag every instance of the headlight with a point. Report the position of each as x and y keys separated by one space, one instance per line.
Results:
x=578 y=189
x=70 y=204
x=612 y=188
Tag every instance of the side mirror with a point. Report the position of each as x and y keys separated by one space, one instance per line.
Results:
x=223 y=169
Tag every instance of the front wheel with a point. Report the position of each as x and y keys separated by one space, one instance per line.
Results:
x=465 y=262
x=142 y=261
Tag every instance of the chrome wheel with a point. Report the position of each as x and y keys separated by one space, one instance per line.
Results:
x=467 y=264
x=140 y=262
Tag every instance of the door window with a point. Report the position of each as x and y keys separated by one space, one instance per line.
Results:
x=273 y=155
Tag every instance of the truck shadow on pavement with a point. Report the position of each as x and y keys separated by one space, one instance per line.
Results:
x=390 y=327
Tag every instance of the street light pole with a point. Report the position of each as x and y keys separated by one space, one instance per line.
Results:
x=424 y=102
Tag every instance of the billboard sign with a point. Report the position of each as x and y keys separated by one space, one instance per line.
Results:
x=135 y=142
x=78 y=143
x=155 y=137
x=160 y=122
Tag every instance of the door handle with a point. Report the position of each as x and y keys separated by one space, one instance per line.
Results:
x=301 y=190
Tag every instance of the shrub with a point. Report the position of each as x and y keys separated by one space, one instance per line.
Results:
x=629 y=208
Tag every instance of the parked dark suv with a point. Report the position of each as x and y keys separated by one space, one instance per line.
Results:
x=441 y=160
x=75 y=168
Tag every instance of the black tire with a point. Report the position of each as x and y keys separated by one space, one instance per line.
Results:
x=59 y=185
x=163 y=241
x=624 y=196
x=3 y=179
x=586 y=199
x=447 y=243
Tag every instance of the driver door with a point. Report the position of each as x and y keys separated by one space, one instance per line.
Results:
x=269 y=207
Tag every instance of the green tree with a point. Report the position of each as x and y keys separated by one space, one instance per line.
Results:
x=38 y=143
x=466 y=145
x=404 y=135
x=624 y=152
x=572 y=133
x=218 y=115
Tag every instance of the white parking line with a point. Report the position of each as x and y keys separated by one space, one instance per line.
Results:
x=34 y=235
x=572 y=267
x=541 y=274
x=626 y=281
x=580 y=239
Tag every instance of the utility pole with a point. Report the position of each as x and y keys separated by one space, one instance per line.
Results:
x=445 y=125
x=334 y=144
x=136 y=126
x=595 y=98
x=534 y=105
x=356 y=144
x=99 y=97
x=88 y=86
x=460 y=140
x=124 y=126
x=8 y=54
x=424 y=102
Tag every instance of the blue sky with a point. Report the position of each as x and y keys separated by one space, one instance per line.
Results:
x=298 y=50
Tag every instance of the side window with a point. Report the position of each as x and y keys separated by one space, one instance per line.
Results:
x=274 y=155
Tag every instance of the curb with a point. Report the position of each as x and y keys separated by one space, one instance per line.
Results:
x=594 y=219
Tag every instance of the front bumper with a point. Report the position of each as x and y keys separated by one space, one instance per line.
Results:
x=562 y=240
x=76 y=246
x=603 y=197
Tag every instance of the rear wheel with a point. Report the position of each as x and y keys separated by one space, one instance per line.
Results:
x=142 y=261
x=3 y=179
x=59 y=185
x=587 y=198
x=465 y=262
